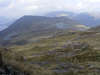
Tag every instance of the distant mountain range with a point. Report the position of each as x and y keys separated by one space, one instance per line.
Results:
x=83 y=18
x=59 y=14
x=31 y=26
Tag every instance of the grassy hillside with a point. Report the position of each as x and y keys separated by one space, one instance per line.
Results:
x=70 y=53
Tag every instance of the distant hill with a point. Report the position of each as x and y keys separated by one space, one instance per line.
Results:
x=83 y=18
x=31 y=26
x=59 y=14
x=95 y=29
x=87 y=19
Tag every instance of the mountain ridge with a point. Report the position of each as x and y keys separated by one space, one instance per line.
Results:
x=83 y=18
x=28 y=27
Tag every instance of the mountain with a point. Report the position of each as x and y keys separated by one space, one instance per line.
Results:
x=95 y=29
x=60 y=13
x=87 y=19
x=68 y=54
x=71 y=53
x=31 y=26
x=83 y=18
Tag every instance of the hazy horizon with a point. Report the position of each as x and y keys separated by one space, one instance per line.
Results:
x=18 y=8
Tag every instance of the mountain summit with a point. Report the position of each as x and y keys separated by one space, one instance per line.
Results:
x=30 y=26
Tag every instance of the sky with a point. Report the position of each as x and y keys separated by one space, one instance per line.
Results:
x=17 y=8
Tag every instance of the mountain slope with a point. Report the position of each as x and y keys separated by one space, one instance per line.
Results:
x=87 y=19
x=95 y=29
x=68 y=54
x=31 y=26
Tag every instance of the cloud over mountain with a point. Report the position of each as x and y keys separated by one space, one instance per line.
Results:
x=15 y=8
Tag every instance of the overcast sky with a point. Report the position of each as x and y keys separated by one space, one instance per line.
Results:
x=14 y=8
